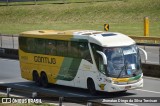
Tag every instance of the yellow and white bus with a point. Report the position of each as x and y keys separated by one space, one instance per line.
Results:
x=93 y=60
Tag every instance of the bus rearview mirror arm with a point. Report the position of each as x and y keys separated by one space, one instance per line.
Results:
x=103 y=56
x=145 y=53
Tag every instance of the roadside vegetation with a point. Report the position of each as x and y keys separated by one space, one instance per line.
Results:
x=125 y=16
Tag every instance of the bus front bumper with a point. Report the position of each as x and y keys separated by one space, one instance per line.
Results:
x=124 y=87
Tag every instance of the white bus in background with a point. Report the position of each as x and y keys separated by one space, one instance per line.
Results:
x=93 y=60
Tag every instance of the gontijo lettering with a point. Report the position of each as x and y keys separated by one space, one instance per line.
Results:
x=47 y=60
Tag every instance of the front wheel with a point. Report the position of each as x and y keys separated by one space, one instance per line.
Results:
x=91 y=87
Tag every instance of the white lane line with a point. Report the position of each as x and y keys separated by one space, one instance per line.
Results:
x=54 y=104
x=148 y=91
x=12 y=95
x=76 y=94
x=21 y=85
x=48 y=90
x=130 y=104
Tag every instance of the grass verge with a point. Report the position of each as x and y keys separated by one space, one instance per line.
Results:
x=125 y=16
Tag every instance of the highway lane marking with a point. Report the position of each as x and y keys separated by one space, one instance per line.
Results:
x=54 y=104
x=12 y=95
x=76 y=94
x=130 y=104
x=148 y=91
x=21 y=85
x=49 y=90
x=7 y=59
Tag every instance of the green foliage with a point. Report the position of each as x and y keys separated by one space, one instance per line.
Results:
x=125 y=16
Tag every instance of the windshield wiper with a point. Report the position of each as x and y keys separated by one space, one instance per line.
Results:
x=134 y=73
x=124 y=68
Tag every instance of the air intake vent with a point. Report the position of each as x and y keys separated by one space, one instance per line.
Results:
x=108 y=34
x=41 y=31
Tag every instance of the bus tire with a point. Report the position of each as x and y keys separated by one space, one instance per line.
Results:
x=44 y=80
x=36 y=78
x=91 y=86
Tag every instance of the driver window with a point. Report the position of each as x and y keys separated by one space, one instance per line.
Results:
x=101 y=67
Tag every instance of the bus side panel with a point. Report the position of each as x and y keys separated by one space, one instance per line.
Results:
x=68 y=71
x=27 y=69
x=84 y=71
x=30 y=62
x=50 y=72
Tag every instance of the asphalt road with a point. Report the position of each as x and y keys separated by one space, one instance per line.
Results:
x=10 y=76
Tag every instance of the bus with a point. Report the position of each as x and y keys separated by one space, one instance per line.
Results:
x=88 y=59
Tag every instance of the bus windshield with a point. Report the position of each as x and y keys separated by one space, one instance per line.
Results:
x=123 y=62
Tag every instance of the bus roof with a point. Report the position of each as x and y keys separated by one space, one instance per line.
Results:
x=105 y=39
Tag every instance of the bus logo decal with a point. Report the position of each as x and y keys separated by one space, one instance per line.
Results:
x=47 y=60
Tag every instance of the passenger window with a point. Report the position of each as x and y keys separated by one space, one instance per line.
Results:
x=84 y=51
x=100 y=64
x=23 y=43
x=73 y=50
x=31 y=45
x=50 y=47
x=96 y=48
x=62 y=48
x=40 y=46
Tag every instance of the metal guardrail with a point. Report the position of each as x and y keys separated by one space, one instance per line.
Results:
x=53 y=1
x=146 y=40
x=13 y=40
x=9 y=46
x=151 y=49
x=8 y=2
x=9 y=41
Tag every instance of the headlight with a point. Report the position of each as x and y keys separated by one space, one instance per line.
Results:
x=108 y=80
x=115 y=82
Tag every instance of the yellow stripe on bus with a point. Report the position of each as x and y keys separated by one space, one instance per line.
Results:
x=120 y=79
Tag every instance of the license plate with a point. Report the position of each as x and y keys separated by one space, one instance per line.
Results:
x=127 y=87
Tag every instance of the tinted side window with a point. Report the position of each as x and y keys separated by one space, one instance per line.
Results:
x=51 y=47
x=31 y=45
x=73 y=50
x=94 y=50
x=62 y=48
x=39 y=46
x=23 y=43
x=84 y=51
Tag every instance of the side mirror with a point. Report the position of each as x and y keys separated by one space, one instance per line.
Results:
x=145 y=53
x=103 y=56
